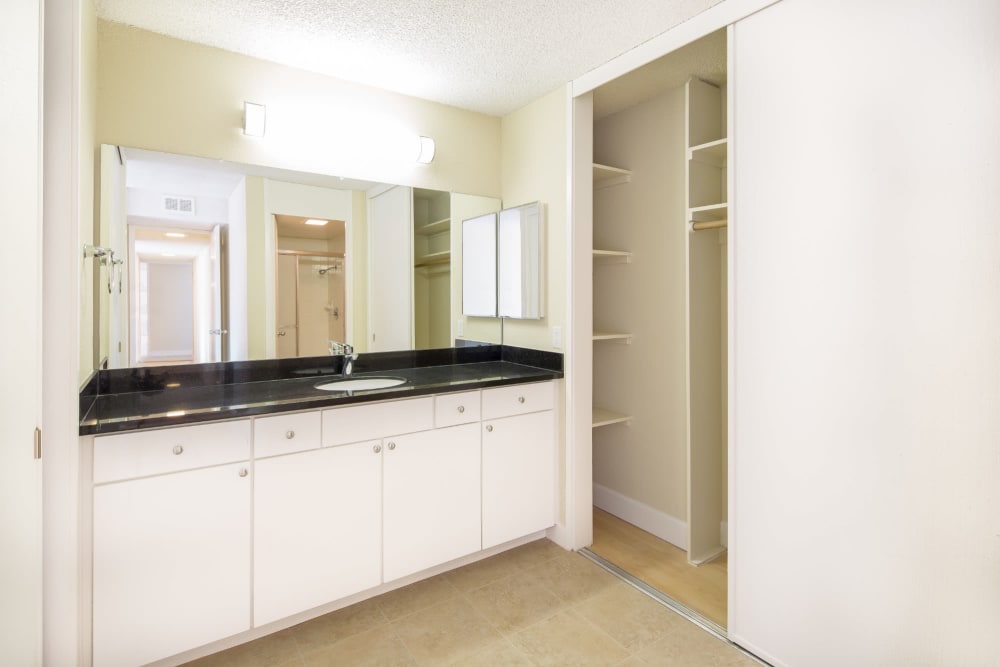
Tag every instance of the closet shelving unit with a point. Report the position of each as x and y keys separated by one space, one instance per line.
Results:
x=707 y=220
x=432 y=241
x=606 y=176
x=431 y=268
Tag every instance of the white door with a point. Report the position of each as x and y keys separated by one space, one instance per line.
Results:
x=431 y=495
x=20 y=354
x=171 y=563
x=865 y=504
x=519 y=476
x=286 y=294
x=317 y=528
x=217 y=330
x=390 y=270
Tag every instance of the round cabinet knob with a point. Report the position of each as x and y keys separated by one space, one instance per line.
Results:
x=178 y=449
x=489 y=429
x=520 y=399
x=392 y=446
x=289 y=434
x=244 y=472
x=377 y=448
x=461 y=409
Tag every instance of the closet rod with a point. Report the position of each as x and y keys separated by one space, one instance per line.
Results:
x=709 y=224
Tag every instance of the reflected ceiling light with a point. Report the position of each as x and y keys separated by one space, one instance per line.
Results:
x=425 y=153
x=254 y=116
x=167 y=254
x=175 y=235
x=318 y=223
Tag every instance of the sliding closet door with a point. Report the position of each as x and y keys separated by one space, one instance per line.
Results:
x=866 y=352
x=21 y=351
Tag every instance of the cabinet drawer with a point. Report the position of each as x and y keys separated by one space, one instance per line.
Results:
x=454 y=409
x=517 y=399
x=284 y=434
x=377 y=420
x=165 y=450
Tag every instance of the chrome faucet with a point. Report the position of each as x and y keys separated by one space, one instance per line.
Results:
x=349 y=358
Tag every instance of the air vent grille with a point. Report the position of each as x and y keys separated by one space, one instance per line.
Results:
x=175 y=204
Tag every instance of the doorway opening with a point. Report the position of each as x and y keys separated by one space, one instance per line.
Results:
x=311 y=289
x=176 y=307
x=660 y=139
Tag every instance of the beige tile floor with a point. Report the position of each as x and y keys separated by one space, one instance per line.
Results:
x=534 y=605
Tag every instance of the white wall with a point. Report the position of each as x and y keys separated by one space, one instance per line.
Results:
x=865 y=421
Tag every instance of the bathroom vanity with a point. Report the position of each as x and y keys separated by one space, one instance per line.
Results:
x=282 y=502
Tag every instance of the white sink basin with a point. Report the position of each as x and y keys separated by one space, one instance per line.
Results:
x=361 y=384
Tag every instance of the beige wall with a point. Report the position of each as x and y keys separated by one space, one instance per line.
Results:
x=647 y=460
x=534 y=148
x=165 y=94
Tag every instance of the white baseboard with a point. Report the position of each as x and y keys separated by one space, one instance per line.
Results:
x=661 y=524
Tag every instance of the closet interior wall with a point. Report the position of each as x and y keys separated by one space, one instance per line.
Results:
x=659 y=316
x=640 y=468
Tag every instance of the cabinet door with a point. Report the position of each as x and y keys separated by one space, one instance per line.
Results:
x=431 y=491
x=171 y=563
x=317 y=535
x=519 y=476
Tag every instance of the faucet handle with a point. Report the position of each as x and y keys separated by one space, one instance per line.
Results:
x=348 y=349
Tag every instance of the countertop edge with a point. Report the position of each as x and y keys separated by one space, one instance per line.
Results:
x=221 y=413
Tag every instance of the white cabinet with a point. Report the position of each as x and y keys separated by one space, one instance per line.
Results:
x=317 y=534
x=339 y=501
x=519 y=462
x=171 y=563
x=431 y=496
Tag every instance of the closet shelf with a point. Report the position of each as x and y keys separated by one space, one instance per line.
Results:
x=432 y=259
x=715 y=153
x=612 y=256
x=606 y=176
x=710 y=212
x=431 y=228
x=613 y=335
x=605 y=417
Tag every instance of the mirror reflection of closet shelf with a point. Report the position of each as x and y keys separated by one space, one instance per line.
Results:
x=604 y=417
x=503 y=263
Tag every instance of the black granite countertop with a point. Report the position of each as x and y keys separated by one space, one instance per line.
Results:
x=130 y=399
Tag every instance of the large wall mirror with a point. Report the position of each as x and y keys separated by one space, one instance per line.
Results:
x=217 y=261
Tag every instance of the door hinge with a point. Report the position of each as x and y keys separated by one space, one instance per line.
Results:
x=38 y=443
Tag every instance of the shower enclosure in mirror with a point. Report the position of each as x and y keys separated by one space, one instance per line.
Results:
x=310 y=290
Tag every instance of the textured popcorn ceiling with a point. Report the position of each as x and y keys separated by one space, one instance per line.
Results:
x=493 y=56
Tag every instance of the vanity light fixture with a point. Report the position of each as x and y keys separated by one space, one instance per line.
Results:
x=318 y=223
x=254 y=117
x=174 y=235
x=425 y=154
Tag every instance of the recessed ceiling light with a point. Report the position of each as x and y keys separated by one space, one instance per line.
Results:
x=318 y=223
x=167 y=254
x=175 y=235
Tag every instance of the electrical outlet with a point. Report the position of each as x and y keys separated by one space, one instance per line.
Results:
x=557 y=337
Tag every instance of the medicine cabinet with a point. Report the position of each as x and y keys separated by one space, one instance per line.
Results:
x=503 y=263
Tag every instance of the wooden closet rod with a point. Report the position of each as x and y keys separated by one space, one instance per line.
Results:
x=709 y=224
